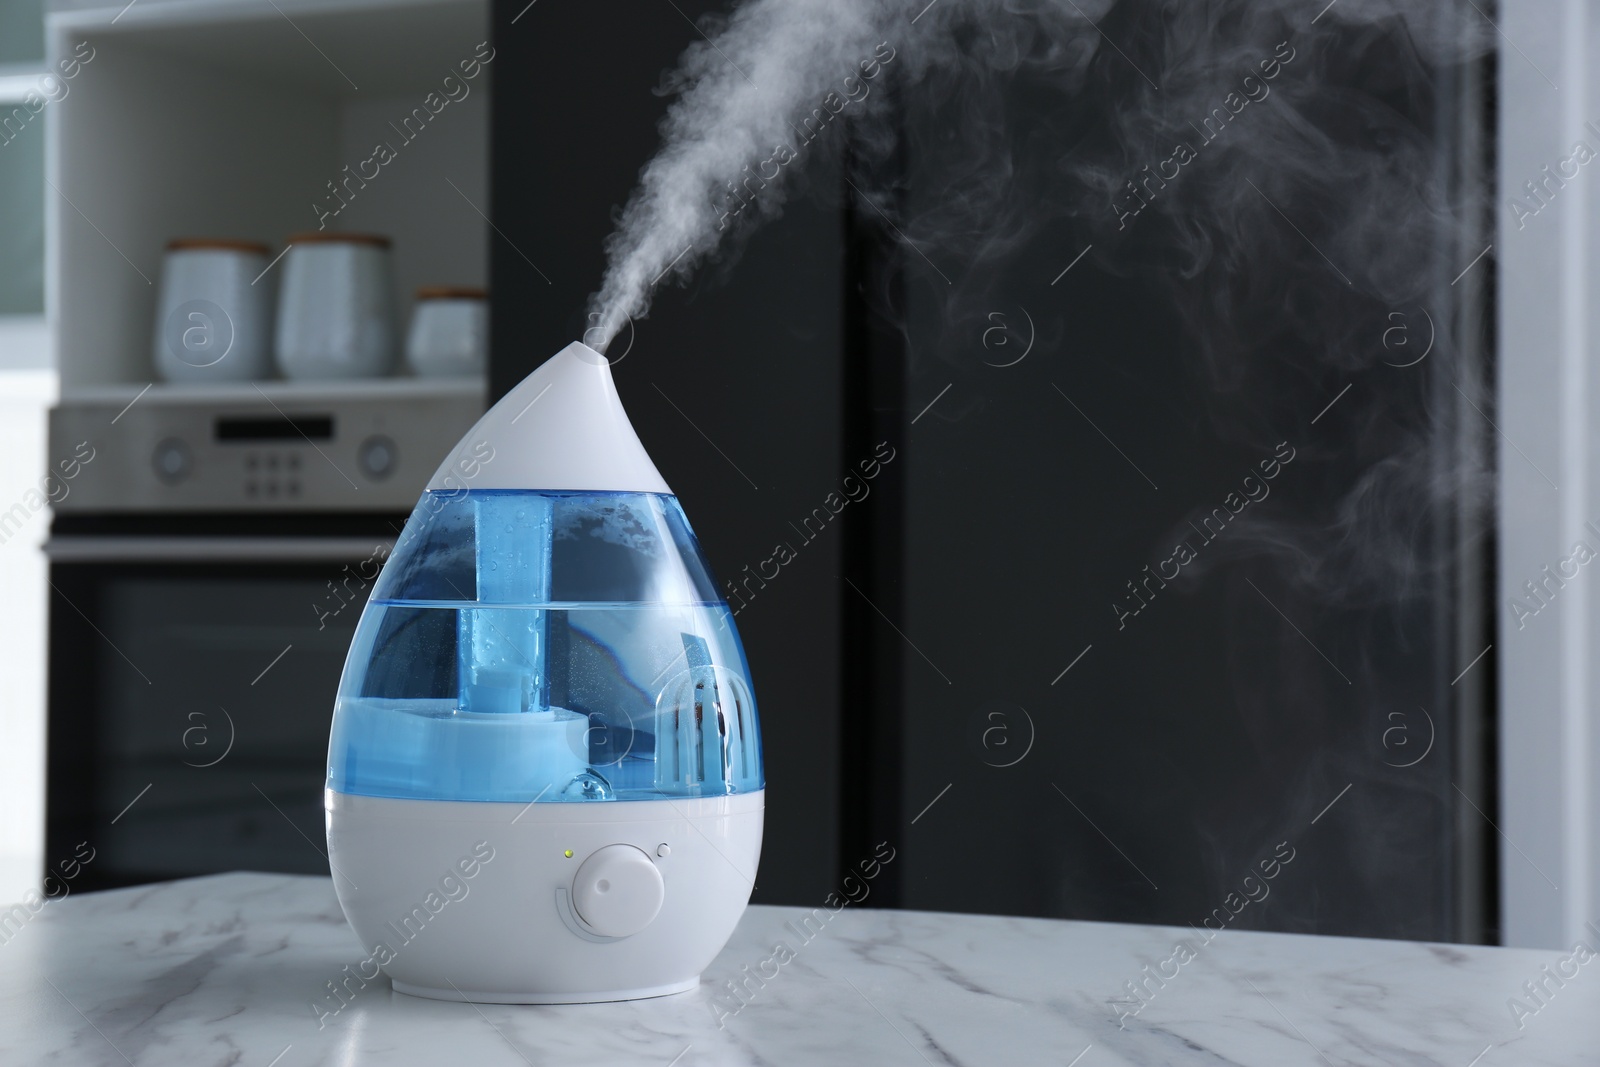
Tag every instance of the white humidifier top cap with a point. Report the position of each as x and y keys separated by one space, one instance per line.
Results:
x=561 y=428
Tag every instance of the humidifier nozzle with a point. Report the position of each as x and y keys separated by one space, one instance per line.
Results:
x=562 y=428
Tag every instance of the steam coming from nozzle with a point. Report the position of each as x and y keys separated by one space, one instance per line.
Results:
x=758 y=99
x=755 y=97
x=1267 y=163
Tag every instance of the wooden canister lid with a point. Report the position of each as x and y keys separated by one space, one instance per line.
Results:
x=217 y=244
x=452 y=292
x=314 y=237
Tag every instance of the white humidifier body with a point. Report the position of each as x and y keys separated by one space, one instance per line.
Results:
x=544 y=776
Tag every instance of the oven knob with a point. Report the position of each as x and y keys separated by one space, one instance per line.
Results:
x=617 y=891
x=172 y=461
x=377 y=457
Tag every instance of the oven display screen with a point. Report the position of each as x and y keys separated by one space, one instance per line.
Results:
x=297 y=427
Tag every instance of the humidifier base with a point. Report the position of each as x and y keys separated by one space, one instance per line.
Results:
x=543 y=903
x=480 y=997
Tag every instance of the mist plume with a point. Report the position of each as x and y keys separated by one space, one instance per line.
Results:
x=744 y=92
x=1272 y=307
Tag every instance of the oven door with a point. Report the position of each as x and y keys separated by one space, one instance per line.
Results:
x=191 y=688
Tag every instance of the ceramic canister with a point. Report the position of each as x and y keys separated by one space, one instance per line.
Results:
x=336 y=312
x=449 y=335
x=213 y=322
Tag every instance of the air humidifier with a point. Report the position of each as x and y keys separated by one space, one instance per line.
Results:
x=544 y=775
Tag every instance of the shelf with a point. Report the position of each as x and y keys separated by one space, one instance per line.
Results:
x=308 y=44
x=275 y=391
x=234 y=118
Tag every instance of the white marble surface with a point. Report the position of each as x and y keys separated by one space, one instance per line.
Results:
x=223 y=970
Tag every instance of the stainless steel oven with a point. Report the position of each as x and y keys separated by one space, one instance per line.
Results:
x=197 y=629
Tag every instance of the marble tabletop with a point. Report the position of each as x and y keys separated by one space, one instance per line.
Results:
x=224 y=971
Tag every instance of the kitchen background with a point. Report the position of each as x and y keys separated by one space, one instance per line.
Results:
x=973 y=655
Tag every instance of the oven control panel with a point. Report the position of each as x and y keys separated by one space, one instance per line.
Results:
x=270 y=446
